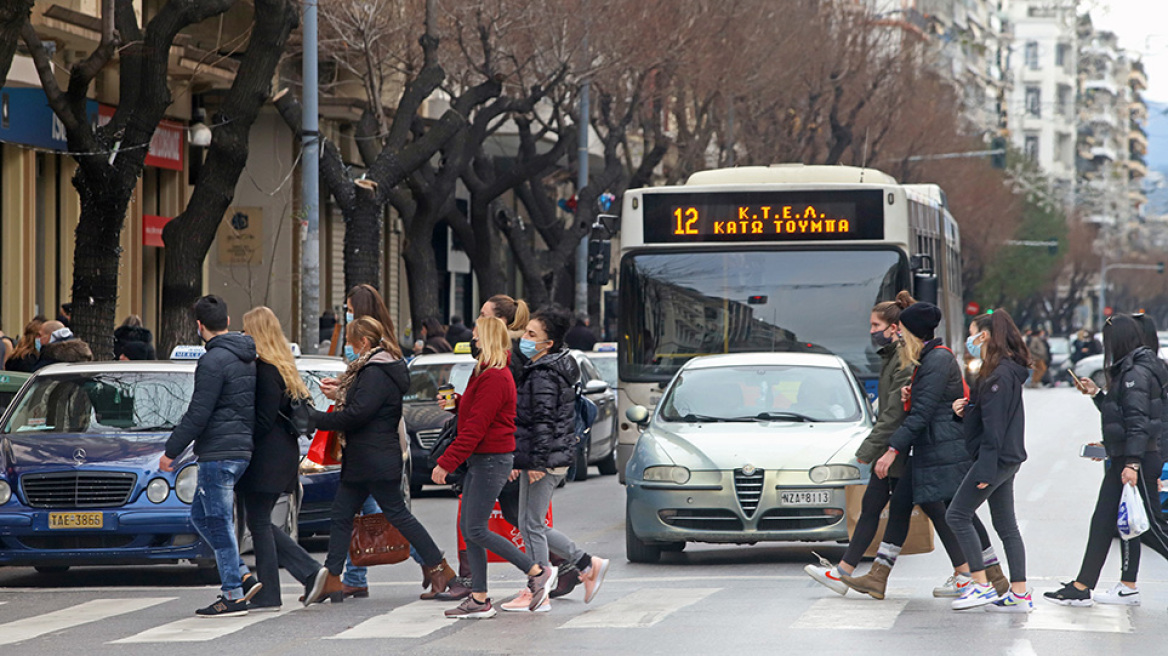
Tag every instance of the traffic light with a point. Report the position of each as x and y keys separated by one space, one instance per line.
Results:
x=998 y=159
x=599 y=256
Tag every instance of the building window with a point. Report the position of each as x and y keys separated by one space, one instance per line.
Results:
x=1030 y=147
x=1032 y=55
x=1063 y=107
x=1034 y=101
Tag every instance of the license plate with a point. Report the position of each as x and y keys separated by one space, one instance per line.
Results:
x=76 y=520
x=805 y=497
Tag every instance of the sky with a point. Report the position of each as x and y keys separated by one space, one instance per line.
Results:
x=1142 y=28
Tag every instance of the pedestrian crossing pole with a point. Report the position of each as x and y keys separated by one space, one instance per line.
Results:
x=310 y=196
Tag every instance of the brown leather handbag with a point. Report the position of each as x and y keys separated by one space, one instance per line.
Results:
x=377 y=542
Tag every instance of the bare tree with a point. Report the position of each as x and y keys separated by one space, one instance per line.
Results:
x=14 y=16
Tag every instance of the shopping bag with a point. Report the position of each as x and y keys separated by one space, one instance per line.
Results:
x=325 y=449
x=499 y=526
x=1133 y=519
x=920 y=528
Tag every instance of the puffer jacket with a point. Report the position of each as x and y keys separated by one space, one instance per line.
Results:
x=221 y=415
x=70 y=350
x=369 y=419
x=125 y=334
x=995 y=421
x=1132 y=411
x=545 y=416
x=893 y=377
x=939 y=458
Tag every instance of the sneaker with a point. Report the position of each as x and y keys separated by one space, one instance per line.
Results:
x=1120 y=595
x=541 y=584
x=470 y=609
x=569 y=577
x=224 y=608
x=1069 y=595
x=825 y=574
x=594 y=578
x=1012 y=603
x=251 y=586
x=954 y=586
x=974 y=595
x=521 y=603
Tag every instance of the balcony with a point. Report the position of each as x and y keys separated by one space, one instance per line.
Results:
x=1138 y=80
x=1103 y=152
x=1101 y=85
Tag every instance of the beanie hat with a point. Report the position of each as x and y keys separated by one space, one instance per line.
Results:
x=921 y=319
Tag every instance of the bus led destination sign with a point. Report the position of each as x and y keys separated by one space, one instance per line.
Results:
x=764 y=216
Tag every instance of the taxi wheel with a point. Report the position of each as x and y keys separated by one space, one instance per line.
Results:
x=673 y=547
x=637 y=551
x=583 y=452
x=52 y=569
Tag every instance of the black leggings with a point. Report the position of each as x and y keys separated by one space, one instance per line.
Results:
x=1103 y=523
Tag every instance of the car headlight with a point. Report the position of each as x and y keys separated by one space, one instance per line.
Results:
x=825 y=473
x=5 y=492
x=667 y=474
x=186 y=483
x=157 y=490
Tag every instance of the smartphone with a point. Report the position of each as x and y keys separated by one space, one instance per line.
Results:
x=1093 y=451
x=1075 y=379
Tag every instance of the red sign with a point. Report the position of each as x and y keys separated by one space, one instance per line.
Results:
x=152 y=229
x=166 y=146
x=1107 y=311
x=501 y=527
x=972 y=309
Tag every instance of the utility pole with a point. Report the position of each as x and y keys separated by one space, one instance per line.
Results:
x=310 y=185
x=581 y=182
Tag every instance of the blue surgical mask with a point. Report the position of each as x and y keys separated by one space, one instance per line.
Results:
x=974 y=350
x=37 y=343
x=350 y=354
x=349 y=317
x=528 y=348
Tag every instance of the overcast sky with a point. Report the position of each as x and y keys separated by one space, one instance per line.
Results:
x=1142 y=27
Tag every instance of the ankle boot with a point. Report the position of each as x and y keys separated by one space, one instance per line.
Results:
x=872 y=583
x=997 y=579
x=333 y=590
x=439 y=577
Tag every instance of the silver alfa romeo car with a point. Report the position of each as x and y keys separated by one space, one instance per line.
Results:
x=746 y=448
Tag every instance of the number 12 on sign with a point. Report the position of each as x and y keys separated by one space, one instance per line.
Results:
x=686 y=218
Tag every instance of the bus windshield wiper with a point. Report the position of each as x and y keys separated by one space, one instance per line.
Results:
x=781 y=416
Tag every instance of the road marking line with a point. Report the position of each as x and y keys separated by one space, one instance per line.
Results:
x=1040 y=490
x=199 y=629
x=860 y=614
x=639 y=610
x=415 y=620
x=67 y=618
x=1021 y=647
x=1100 y=618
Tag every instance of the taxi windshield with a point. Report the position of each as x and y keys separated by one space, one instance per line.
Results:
x=425 y=379
x=108 y=402
x=762 y=393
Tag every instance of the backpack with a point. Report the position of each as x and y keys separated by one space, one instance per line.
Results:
x=445 y=439
x=586 y=412
x=299 y=420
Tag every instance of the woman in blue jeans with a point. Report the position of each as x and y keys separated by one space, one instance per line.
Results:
x=486 y=443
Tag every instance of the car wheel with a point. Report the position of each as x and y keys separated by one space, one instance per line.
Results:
x=1100 y=379
x=52 y=569
x=637 y=551
x=607 y=466
x=583 y=450
x=673 y=547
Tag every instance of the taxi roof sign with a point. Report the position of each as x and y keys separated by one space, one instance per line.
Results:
x=187 y=352
x=462 y=348
x=605 y=347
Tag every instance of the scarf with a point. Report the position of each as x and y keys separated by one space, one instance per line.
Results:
x=345 y=381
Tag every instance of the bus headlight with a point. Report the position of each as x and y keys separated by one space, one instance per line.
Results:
x=158 y=490
x=5 y=492
x=186 y=483
x=825 y=473
x=667 y=474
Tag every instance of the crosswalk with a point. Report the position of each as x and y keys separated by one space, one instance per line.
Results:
x=634 y=609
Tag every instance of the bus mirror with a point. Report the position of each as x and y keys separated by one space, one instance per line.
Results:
x=638 y=414
x=925 y=287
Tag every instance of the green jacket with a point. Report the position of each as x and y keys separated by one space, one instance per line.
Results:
x=892 y=379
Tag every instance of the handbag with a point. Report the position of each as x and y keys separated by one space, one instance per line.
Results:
x=325 y=449
x=376 y=542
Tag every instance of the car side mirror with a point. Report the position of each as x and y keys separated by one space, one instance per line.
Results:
x=594 y=386
x=638 y=414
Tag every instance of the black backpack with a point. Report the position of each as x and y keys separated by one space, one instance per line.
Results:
x=445 y=439
x=298 y=421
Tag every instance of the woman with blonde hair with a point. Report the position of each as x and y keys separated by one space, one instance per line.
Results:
x=274 y=462
x=486 y=442
x=368 y=411
x=24 y=357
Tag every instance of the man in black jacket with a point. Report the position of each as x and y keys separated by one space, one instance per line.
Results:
x=219 y=421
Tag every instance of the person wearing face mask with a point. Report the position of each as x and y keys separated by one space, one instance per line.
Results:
x=27 y=351
x=368 y=412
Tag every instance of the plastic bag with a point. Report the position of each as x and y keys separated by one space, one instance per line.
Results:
x=1133 y=519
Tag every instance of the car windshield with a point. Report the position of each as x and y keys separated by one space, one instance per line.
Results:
x=771 y=392
x=679 y=305
x=102 y=403
x=607 y=368
x=425 y=379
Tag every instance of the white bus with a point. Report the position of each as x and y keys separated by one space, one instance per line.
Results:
x=774 y=258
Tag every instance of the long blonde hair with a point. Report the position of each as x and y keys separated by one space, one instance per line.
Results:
x=494 y=343
x=272 y=347
x=910 y=349
x=368 y=327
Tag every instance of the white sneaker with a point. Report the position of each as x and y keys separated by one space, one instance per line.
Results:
x=974 y=595
x=825 y=574
x=1120 y=595
x=1012 y=603
x=954 y=586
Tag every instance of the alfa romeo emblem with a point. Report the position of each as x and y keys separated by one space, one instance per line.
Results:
x=748 y=470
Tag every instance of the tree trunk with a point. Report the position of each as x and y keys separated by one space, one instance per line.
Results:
x=421 y=275
x=363 y=240
x=13 y=15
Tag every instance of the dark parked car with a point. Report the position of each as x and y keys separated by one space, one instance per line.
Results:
x=424 y=419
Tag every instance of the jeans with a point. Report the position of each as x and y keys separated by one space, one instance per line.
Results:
x=485 y=476
x=1000 y=495
x=1103 y=523
x=213 y=514
x=558 y=544
x=273 y=548
x=534 y=500
x=900 y=514
x=351 y=497
x=355 y=576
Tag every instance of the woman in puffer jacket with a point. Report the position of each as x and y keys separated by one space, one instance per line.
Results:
x=1132 y=418
x=545 y=443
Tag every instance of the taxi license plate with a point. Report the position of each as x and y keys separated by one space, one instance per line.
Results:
x=76 y=520
x=805 y=497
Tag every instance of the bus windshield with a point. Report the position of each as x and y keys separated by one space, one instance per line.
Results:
x=677 y=305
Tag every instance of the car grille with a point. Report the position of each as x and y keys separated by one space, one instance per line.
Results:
x=78 y=489
x=791 y=519
x=427 y=438
x=702 y=519
x=49 y=542
x=749 y=489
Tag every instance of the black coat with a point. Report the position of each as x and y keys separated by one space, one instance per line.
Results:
x=995 y=421
x=1132 y=411
x=369 y=419
x=939 y=457
x=457 y=332
x=275 y=461
x=580 y=337
x=26 y=364
x=545 y=413
x=221 y=416
x=125 y=334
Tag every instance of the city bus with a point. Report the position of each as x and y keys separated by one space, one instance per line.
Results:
x=785 y=257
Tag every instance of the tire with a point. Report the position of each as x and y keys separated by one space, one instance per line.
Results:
x=51 y=569
x=607 y=466
x=583 y=450
x=673 y=547
x=637 y=551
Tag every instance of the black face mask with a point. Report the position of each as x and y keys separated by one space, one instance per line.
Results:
x=879 y=340
x=474 y=348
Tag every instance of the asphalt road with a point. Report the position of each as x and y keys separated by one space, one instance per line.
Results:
x=709 y=599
